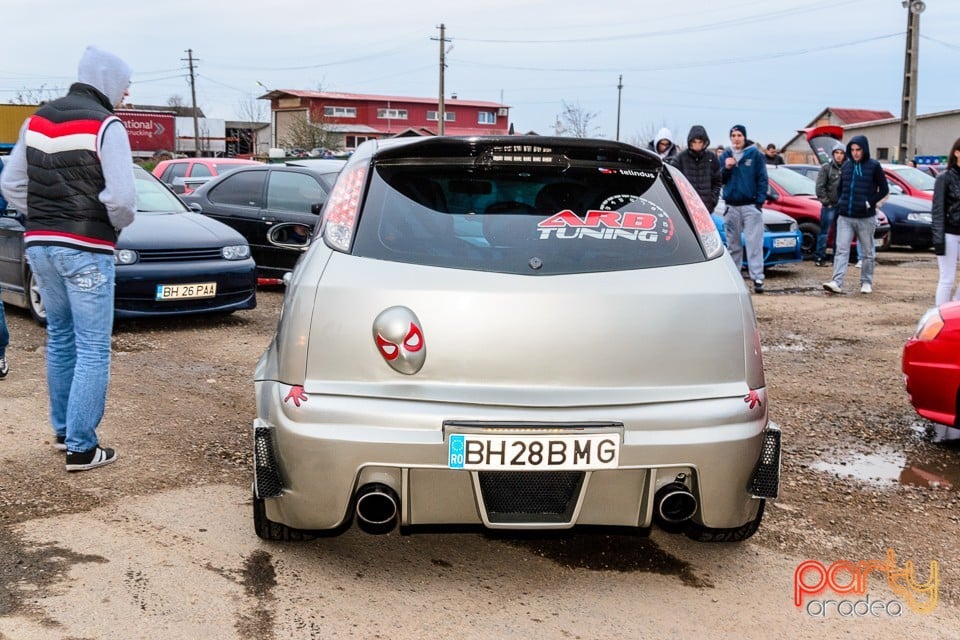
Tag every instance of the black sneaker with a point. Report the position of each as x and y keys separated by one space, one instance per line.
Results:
x=3 y=368
x=96 y=457
x=60 y=444
x=820 y=262
x=758 y=286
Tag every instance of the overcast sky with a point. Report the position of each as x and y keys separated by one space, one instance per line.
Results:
x=770 y=65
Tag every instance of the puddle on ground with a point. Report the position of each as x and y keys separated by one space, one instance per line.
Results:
x=886 y=469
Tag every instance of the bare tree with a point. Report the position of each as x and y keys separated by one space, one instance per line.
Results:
x=176 y=102
x=576 y=122
x=41 y=94
x=252 y=111
x=301 y=133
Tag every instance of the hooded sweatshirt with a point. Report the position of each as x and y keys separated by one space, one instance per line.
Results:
x=747 y=182
x=701 y=168
x=862 y=184
x=664 y=134
x=71 y=169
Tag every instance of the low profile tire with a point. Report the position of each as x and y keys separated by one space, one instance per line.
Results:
x=34 y=301
x=267 y=529
x=701 y=533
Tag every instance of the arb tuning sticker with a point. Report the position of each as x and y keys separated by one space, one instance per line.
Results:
x=643 y=222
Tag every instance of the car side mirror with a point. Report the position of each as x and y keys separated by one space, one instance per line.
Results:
x=772 y=195
x=895 y=189
x=290 y=235
x=195 y=207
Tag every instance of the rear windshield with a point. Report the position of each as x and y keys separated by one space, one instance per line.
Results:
x=534 y=220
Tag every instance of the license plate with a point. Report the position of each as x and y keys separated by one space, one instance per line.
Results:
x=181 y=291
x=556 y=452
x=780 y=243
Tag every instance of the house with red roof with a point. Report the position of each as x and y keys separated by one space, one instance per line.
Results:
x=352 y=118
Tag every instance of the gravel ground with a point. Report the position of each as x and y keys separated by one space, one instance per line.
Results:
x=862 y=473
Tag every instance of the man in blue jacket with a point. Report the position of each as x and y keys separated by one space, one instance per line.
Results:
x=744 y=176
x=863 y=186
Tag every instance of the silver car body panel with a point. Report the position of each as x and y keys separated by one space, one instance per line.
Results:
x=672 y=354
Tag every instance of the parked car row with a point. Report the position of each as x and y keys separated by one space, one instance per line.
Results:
x=909 y=216
x=186 y=174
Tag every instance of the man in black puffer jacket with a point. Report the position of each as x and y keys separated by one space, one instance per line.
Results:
x=700 y=166
x=863 y=186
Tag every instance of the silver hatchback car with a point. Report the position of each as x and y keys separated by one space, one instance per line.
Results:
x=514 y=333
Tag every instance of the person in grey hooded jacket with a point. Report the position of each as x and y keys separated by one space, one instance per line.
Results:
x=71 y=173
x=663 y=144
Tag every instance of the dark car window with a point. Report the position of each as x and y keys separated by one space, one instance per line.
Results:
x=175 y=170
x=537 y=220
x=244 y=188
x=200 y=170
x=290 y=191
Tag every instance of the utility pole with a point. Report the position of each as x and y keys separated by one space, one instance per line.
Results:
x=193 y=96
x=908 y=111
x=441 y=111
x=619 y=91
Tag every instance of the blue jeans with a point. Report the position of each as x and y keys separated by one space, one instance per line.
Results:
x=863 y=229
x=827 y=216
x=77 y=291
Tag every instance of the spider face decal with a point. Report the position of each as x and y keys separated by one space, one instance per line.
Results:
x=399 y=339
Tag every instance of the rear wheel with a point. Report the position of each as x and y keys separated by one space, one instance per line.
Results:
x=267 y=529
x=34 y=301
x=701 y=533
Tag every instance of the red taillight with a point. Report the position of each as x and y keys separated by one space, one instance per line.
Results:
x=702 y=222
x=340 y=217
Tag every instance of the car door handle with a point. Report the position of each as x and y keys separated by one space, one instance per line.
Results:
x=268 y=219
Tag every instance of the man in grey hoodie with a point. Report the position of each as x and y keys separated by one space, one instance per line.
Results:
x=71 y=172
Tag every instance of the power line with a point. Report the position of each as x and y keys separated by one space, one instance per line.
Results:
x=688 y=65
x=709 y=26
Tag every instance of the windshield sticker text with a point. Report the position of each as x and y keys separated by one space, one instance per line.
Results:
x=608 y=225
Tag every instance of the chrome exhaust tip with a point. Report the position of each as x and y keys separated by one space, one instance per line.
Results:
x=674 y=503
x=377 y=508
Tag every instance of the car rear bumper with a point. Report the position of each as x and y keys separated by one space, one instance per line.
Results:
x=322 y=449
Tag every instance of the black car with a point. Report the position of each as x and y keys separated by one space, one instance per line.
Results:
x=170 y=261
x=909 y=216
x=253 y=199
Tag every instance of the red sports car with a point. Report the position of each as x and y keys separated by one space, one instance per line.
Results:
x=931 y=364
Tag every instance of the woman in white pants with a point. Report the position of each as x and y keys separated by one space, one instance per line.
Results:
x=946 y=226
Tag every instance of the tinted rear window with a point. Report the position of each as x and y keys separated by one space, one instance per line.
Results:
x=530 y=219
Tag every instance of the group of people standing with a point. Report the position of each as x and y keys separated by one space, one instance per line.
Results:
x=850 y=188
x=739 y=173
